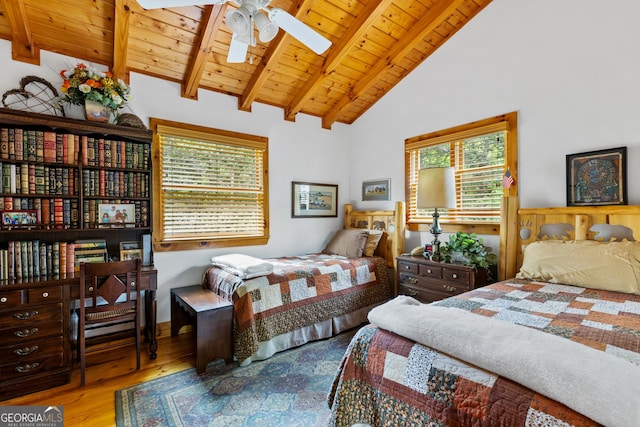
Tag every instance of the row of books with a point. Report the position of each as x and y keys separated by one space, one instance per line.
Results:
x=51 y=213
x=39 y=146
x=108 y=183
x=30 y=178
x=114 y=153
x=25 y=259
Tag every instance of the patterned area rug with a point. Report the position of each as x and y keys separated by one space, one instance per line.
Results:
x=289 y=389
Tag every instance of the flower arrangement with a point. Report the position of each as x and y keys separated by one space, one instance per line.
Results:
x=88 y=83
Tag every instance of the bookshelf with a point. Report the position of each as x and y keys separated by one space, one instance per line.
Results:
x=63 y=181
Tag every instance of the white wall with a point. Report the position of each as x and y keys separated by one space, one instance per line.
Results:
x=570 y=68
x=299 y=151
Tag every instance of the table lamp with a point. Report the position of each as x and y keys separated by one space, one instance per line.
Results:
x=436 y=189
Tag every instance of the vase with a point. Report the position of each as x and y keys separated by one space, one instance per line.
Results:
x=97 y=112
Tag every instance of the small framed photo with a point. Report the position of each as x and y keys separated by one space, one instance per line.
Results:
x=309 y=200
x=379 y=189
x=130 y=250
x=597 y=178
x=118 y=214
x=129 y=254
x=19 y=219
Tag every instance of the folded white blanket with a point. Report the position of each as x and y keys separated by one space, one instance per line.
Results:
x=243 y=266
x=603 y=387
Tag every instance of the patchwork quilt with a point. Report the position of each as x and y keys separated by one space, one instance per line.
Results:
x=301 y=291
x=386 y=379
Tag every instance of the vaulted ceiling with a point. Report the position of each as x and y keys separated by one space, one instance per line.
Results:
x=375 y=44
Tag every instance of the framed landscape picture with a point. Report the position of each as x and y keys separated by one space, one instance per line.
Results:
x=310 y=200
x=597 y=177
x=376 y=190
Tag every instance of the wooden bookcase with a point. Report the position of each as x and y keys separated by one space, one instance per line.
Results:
x=71 y=167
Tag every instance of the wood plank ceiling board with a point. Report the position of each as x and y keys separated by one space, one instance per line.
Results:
x=375 y=44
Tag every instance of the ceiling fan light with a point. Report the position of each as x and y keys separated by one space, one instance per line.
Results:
x=239 y=20
x=267 y=29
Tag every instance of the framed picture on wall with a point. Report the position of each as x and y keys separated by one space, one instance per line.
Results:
x=309 y=200
x=379 y=189
x=597 y=177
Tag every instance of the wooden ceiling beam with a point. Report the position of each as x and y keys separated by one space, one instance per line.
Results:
x=272 y=56
x=431 y=20
x=22 y=46
x=121 y=39
x=355 y=32
x=209 y=24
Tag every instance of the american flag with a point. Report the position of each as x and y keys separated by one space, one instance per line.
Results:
x=507 y=179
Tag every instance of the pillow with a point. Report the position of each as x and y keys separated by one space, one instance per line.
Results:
x=613 y=266
x=348 y=242
x=373 y=238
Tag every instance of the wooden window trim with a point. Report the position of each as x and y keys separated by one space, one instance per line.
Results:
x=506 y=122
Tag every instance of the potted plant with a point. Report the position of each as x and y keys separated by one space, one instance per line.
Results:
x=99 y=92
x=468 y=249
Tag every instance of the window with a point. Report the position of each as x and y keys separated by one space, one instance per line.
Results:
x=210 y=187
x=480 y=152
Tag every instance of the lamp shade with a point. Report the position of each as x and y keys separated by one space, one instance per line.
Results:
x=436 y=188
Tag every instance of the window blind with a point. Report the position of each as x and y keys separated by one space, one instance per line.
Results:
x=211 y=186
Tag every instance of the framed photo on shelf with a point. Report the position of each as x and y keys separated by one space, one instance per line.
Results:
x=19 y=218
x=116 y=214
x=597 y=177
x=130 y=250
x=379 y=189
x=310 y=200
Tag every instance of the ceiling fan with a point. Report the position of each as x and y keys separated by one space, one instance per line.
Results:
x=248 y=14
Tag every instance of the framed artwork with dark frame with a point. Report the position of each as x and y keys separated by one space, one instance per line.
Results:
x=310 y=200
x=597 y=177
x=379 y=189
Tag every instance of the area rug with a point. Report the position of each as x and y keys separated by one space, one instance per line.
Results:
x=288 y=389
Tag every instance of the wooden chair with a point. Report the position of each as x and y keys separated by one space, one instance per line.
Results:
x=109 y=296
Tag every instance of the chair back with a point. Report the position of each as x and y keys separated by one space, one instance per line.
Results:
x=109 y=291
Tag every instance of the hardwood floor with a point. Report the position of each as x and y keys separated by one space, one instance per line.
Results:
x=94 y=404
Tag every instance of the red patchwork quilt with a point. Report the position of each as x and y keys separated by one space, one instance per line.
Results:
x=388 y=380
x=302 y=291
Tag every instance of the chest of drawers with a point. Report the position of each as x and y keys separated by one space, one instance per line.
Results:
x=34 y=353
x=429 y=281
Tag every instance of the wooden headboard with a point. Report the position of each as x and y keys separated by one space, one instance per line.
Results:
x=393 y=223
x=521 y=226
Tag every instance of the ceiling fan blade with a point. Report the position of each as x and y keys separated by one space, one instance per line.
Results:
x=158 y=4
x=237 y=50
x=299 y=30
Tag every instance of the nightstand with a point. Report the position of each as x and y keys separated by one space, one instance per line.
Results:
x=429 y=281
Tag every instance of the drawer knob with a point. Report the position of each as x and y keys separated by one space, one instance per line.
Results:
x=25 y=332
x=45 y=294
x=3 y=299
x=25 y=351
x=429 y=270
x=454 y=275
x=90 y=288
x=449 y=288
x=26 y=315
x=133 y=285
x=407 y=267
x=26 y=368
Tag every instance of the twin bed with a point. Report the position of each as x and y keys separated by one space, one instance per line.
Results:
x=297 y=299
x=556 y=344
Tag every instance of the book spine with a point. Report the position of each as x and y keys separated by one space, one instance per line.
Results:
x=12 y=260
x=35 y=257
x=12 y=144
x=19 y=141
x=70 y=257
x=55 y=261
x=39 y=146
x=59 y=148
x=49 y=143
x=71 y=149
x=63 y=257
x=24 y=258
x=4 y=143
x=31 y=178
x=43 y=259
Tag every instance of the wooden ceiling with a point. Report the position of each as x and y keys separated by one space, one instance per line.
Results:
x=374 y=45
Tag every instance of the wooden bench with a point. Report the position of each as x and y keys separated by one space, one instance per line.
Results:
x=212 y=319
